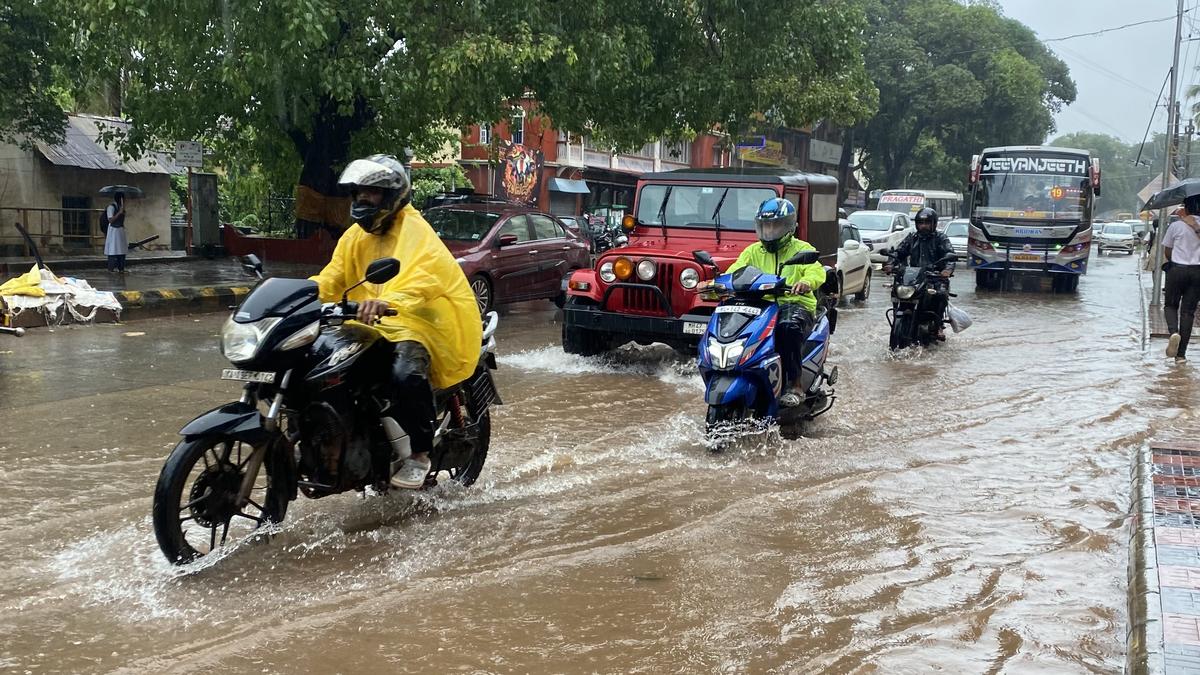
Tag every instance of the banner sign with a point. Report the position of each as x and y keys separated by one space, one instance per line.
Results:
x=1033 y=164
x=519 y=175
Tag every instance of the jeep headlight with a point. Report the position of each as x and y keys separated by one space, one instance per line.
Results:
x=689 y=278
x=725 y=355
x=905 y=292
x=240 y=341
x=646 y=270
x=607 y=275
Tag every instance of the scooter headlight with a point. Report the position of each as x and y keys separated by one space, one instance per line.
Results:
x=240 y=341
x=905 y=292
x=607 y=275
x=725 y=355
x=689 y=278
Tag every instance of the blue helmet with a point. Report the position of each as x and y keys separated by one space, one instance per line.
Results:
x=775 y=223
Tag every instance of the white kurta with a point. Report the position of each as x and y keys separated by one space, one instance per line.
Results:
x=116 y=242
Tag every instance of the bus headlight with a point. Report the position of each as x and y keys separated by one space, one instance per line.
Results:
x=689 y=278
x=905 y=292
x=646 y=269
x=607 y=275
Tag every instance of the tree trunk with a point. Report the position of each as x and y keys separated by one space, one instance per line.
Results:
x=320 y=203
x=844 y=165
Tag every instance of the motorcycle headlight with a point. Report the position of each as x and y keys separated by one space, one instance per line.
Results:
x=301 y=338
x=725 y=355
x=240 y=341
x=905 y=292
x=689 y=278
x=646 y=269
x=607 y=275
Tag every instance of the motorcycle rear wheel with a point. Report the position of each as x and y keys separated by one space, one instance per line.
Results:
x=195 y=498
x=468 y=473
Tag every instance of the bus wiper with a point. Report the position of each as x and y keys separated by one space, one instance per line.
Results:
x=716 y=214
x=662 y=211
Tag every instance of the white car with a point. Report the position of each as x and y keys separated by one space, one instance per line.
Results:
x=853 y=264
x=1115 y=237
x=882 y=231
x=958 y=231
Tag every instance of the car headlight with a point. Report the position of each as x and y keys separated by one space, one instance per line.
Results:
x=646 y=269
x=301 y=338
x=725 y=355
x=905 y=292
x=689 y=278
x=607 y=275
x=240 y=341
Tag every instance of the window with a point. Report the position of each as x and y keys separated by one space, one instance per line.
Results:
x=545 y=228
x=458 y=225
x=518 y=225
x=485 y=133
x=518 y=127
x=846 y=235
x=697 y=205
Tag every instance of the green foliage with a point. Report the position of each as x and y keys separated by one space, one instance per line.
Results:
x=1121 y=179
x=429 y=181
x=297 y=87
x=953 y=79
x=32 y=47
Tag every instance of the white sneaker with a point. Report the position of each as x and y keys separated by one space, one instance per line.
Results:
x=1173 y=344
x=411 y=475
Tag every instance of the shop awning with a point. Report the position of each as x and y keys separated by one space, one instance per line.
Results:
x=577 y=187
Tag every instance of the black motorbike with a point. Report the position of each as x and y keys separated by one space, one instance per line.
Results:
x=311 y=419
x=917 y=292
x=604 y=236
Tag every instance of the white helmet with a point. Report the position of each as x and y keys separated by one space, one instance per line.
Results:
x=384 y=172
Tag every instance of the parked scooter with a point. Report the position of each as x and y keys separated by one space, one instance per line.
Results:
x=743 y=374
x=917 y=292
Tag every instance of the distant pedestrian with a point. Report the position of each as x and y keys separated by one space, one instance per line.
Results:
x=116 y=242
x=1181 y=247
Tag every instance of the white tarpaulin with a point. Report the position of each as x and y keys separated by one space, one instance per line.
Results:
x=63 y=296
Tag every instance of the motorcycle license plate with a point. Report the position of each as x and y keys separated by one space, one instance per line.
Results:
x=247 y=375
x=1027 y=257
x=694 y=327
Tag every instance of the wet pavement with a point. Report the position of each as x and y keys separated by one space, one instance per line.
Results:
x=960 y=509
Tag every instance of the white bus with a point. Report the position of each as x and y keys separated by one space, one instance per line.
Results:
x=947 y=204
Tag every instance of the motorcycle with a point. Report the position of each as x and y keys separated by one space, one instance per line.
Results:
x=605 y=237
x=743 y=374
x=311 y=419
x=912 y=318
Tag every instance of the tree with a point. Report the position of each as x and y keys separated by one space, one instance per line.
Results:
x=953 y=79
x=31 y=49
x=299 y=86
x=1121 y=179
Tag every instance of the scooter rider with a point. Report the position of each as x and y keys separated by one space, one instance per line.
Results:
x=926 y=248
x=436 y=330
x=775 y=224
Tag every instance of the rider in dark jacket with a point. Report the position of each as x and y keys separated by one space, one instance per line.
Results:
x=926 y=248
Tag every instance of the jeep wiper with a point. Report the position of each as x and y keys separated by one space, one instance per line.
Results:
x=662 y=211
x=716 y=214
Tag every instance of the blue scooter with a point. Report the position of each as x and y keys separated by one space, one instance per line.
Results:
x=743 y=374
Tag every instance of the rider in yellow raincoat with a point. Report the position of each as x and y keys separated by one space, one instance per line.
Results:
x=437 y=329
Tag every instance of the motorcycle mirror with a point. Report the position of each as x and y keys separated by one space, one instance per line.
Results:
x=622 y=240
x=803 y=258
x=704 y=258
x=382 y=270
x=252 y=265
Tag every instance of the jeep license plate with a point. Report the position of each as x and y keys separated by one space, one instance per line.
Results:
x=247 y=375
x=694 y=327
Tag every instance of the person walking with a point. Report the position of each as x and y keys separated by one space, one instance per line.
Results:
x=1181 y=248
x=116 y=242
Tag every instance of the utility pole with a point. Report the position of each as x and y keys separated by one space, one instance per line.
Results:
x=1173 y=130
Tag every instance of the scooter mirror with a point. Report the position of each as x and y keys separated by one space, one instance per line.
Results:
x=382 y=270
x=252 y=265
x=803 y=258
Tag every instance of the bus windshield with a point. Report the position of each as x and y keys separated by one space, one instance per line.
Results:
x=695 y=205
x=909 y=204
x=1033 y=196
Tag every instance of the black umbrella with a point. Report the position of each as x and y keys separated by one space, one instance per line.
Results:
x=129 y=191
x=1174 y=194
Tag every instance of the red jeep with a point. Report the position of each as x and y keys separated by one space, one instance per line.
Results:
x=645 y=291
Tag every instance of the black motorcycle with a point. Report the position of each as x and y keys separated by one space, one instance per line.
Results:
x=916 y=293
x=604 y=236
x=310 y=419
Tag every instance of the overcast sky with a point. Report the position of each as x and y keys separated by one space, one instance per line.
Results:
x=1119 y=73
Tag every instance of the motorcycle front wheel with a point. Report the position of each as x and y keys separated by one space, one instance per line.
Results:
x=196 y=509
x=902 y=331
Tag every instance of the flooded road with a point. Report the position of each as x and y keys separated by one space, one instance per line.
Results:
x=960 y=509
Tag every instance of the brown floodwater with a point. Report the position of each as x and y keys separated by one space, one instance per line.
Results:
x=959 y=510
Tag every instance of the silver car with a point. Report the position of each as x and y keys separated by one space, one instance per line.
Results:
x=958 y=231
x=1116 y=237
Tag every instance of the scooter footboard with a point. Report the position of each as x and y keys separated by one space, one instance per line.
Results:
x=725 y=389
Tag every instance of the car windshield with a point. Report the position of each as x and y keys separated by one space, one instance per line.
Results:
x=875 y=222
x=457 y=225
x=1117 y=229
x=694 y=205
x=1033 y=196
x=957 y=228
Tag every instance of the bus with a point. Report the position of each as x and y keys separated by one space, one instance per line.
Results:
x=947 y=204
x=1031 y=213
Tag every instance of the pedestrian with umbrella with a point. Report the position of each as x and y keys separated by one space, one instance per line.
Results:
x=1181 y=249
x=116 y=241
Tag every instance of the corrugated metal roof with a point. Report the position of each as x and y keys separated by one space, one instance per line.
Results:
x=83 y=149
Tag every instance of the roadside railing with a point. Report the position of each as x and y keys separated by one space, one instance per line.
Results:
x=54 y=231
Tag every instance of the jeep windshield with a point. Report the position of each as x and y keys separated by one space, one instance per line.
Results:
x=695 y=205
x=460 y=225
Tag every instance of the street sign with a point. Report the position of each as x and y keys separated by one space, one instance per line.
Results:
x=1154 y=186
x=752 y=142
x=189 y=153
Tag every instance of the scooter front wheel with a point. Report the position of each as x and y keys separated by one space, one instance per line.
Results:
x=723 y=416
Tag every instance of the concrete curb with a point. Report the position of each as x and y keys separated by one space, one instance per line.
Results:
x=171 y=301
x=1144 y=648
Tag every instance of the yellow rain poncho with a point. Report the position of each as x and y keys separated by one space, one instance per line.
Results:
x=29 y=284
x=434 y=303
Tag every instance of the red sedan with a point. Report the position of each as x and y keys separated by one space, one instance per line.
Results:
x=509 y=253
